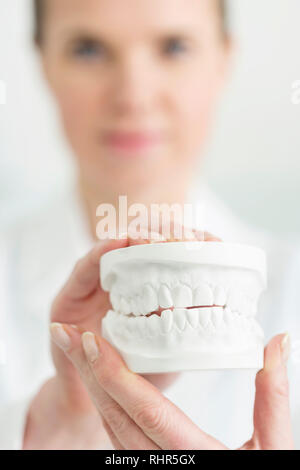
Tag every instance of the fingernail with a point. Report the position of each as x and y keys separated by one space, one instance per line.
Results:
x=90 y=347
x=60 y=336
x=285 y=347
x=189 y=234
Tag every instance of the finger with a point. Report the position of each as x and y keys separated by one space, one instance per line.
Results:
x=272 y=418
x=127 y=434
x=160 y=419
x=170 y=232
x=206 y=236
x=209 y=237
x=78 y=301
x=115 y=442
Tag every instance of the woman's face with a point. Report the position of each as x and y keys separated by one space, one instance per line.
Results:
x=136 y=83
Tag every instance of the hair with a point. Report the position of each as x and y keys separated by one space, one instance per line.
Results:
x=39 y=11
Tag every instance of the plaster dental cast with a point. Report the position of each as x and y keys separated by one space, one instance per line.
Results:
x=136 y=414
x=185 y=306
x=136 y=85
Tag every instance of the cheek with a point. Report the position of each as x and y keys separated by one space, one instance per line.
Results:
x=195 y=102
x=78 y=108
x=79 y=103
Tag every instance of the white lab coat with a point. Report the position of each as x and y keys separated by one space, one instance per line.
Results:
x=37 y=256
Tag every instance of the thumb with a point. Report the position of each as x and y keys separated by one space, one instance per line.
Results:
x=72 y=392
x=272 y=419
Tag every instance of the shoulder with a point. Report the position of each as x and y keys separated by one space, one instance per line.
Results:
x=45 y=227
x=39 y=248
x=221 y=220
x=278 y=304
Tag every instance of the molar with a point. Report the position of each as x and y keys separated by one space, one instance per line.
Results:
x=253 y=309
x=141 y=327
x=245 y=307
x=164 y=297
x=153 y=325
x=115 y=301
x=150 y=300
x=135 y=307
x=182 y=296
x=217 y=316
x=125 y=306
x=142 y=308
x=110 y=316
x=202 y=295
x=228 y=316
x=257 y=329
x=249 y=307
x=219 y=296
x=234 y=300
x=245 y=322
x=130 y=325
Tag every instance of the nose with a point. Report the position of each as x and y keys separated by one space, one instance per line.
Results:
x=135 y=87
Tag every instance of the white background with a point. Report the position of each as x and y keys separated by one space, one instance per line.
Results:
x=253 y=158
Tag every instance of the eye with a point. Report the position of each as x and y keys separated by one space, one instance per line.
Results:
x=174 y=47
x=89 y=49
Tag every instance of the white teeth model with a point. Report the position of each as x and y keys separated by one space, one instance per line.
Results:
x=182 y=296
x=180 y=318
x=203 y=295
x=185 y=306
x=204 y=316
x=150 y=298
x=164 y=297
x=166 y=321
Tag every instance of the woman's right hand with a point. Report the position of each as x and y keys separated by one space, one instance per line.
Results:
x=62 y=415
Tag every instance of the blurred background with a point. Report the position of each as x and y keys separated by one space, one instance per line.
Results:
x=253 y=158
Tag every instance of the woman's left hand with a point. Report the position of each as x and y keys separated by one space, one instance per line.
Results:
x=137 y=415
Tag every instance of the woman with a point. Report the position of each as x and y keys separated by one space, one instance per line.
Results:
x=136 y=83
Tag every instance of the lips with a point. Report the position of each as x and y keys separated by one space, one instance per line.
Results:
x=132 y=140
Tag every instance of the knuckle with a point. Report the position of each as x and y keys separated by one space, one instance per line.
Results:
x=106 y=378
x=277 y=388
x=108 y=429
x=115 y=418
x=282 y=389
x=110 y=374
x=104 y=381
x=151 y=417
x=78 y=264
x=77 y=269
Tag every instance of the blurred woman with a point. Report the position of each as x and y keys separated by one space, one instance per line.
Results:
x=136 y=84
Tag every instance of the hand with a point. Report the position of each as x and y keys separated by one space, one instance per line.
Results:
x=83 y=302
x=138 y=416
x=62 y=416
